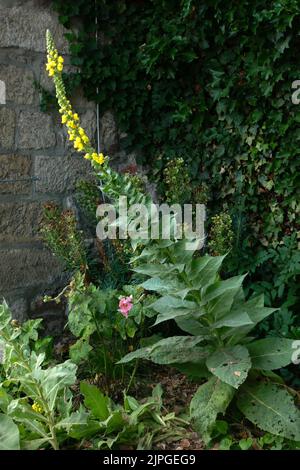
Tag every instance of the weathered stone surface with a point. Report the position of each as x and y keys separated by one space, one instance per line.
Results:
x=27 y=267
x=89 y=124
x=14 y=167
x=54 y=316
x=35 y=130
x=18 y=308
x=7 y=127
x=19 y=221
x=59 y=174
x=26 y=27
x=109 y=138
x=19 y=84
x=80 y=102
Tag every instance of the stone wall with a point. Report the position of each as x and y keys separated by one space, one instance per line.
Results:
x=36 y=163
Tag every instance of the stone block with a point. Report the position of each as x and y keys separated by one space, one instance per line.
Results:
x=15 y=173
x=7 y=127
x=19 y=84
x=22 y=268
x=25 y=27
x=60 y=174
x=35 y=130
x=20 y=221
x=109 y=138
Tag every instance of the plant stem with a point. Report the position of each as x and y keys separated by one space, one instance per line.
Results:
x=132 y=375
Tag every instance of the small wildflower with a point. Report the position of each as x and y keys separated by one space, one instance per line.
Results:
x=125 y=305
x=37 y=408
x=98 y=158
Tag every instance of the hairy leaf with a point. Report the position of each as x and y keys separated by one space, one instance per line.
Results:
x=271 y=353
x=230 y=364
x=271 y=408
x=211 y=398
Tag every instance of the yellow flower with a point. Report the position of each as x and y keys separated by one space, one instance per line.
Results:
x=85 y=139
x=80 y=147
x=88 y=156
x=81 y=131
x=60 y=67
x=64 y=119
x=37 y=408
x=71 y=135
x=71 y=124
x=98 y=158
x=60 y=60
x=75 y=117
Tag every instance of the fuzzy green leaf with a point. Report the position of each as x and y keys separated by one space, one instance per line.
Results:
x=231 y=365
x=271 y=353
x=270 y=407
x=9 y=434
x=211 y=398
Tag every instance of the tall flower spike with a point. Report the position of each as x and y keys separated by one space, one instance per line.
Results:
x=76 y=133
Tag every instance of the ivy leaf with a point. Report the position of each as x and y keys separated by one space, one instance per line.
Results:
x=211 y=398
x=270 y=407
x=231 y=365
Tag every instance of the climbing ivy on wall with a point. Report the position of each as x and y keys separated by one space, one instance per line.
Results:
x=208 y=81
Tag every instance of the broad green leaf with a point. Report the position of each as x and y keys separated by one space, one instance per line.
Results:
x=77 y=418
x=171 y=307
x=178 y=349
x=256 y=310
x=231 y=365
x=234 y=320
x=270 y=407
x=271 y=353
x=95 y=401
x=158 y=269
x=56 y=379
x=166 y=286
x=219 y=297
x=34 y=444
x=9 y=434
x=190 y=324
x=211 y=398
x=84 y=431
x=203 y=271
x=115 y=422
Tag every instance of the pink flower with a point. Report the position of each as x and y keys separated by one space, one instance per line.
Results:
x=125 y=305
